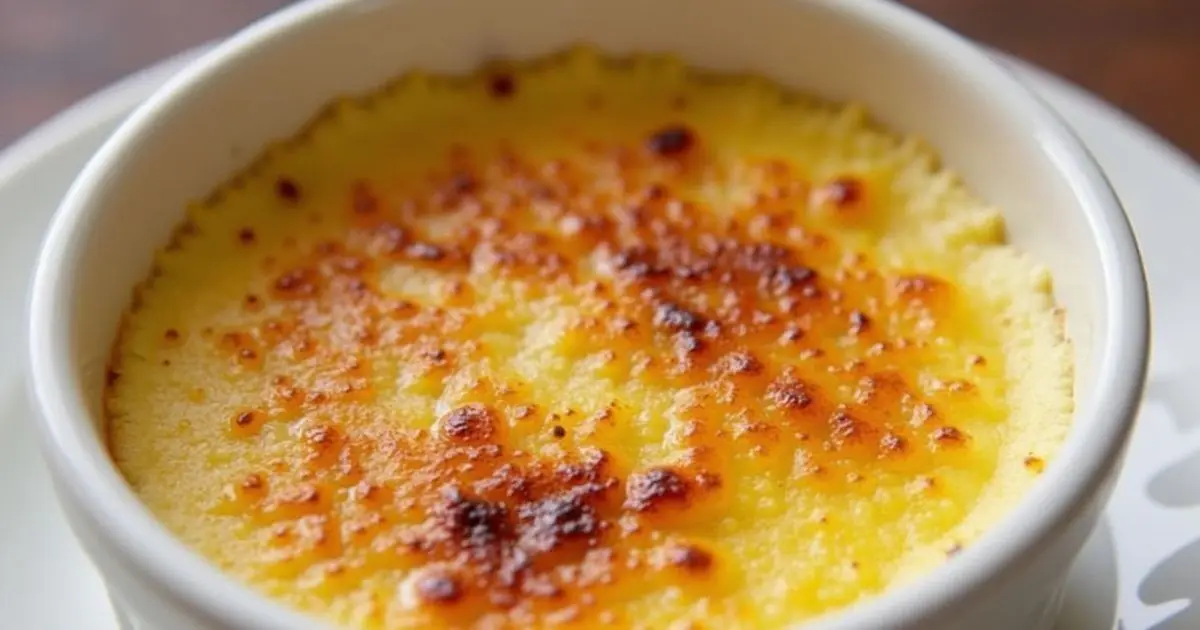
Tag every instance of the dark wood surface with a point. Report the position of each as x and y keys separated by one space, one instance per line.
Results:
x=1142 y=55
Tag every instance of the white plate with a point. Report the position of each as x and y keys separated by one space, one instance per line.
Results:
x=1136 y=571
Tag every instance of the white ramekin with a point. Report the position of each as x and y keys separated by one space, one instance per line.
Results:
x=265 y=82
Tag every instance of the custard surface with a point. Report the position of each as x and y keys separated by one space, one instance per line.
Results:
x=586 y=342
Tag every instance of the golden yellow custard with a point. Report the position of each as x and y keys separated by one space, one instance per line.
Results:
x=587 y=342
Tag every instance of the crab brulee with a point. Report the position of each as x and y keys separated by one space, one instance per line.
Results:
x=587 y=341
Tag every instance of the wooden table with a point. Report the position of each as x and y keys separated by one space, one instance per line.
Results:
x=1142 y=55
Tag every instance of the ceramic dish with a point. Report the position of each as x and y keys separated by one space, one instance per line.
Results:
x=912 y=74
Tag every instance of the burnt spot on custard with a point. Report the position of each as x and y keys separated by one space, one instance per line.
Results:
x=425 y=251
x=363 y=199
x=287 y=190
x=502 y=85
x=688 y=557
x=843 y=192
x=298 y=283
x=675 y=318
x=651 y=489
x=438 y=587
x=468 y=423
x=788 y=394
x=247 y=422
x=671 y=141
x=947 y=437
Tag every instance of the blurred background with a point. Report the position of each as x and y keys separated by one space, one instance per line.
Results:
x=1141 y=55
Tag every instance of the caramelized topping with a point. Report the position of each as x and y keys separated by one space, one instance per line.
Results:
x=524 y=386
x=758 y=328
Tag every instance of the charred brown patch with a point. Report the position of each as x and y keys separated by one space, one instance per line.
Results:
x=787 y=393
x=298 y=283
x=433 y=356
x=324 y=443
x=687 y=344
x=650 y=489
x=845 y=428
x=859 y=322
x=673 y=317
x=671 y=141
x=783 y=279
x=469 y=423
x=462 y=183
x=843 y=192
x=791 y=334
x=739 y=362
x=947 y=436
x=438 y=587
x=549 y=522
x=425 y=251
x=471 y=523
x=922 y=412
x=247 y=422
x=688 y=557
x=502 y=85
x=363 y=200
x=508 y=533
x=287 y=189
x=589 y=470
x=640 y=262
x=252 y=303
x=892 y=444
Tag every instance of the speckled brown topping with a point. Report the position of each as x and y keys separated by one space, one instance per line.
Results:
x=674 y=294
x=520 y=389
